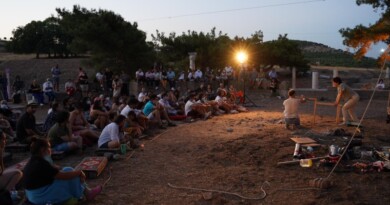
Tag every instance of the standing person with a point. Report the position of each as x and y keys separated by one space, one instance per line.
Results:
x=171 y=78
x=26 y=127
x=83 y=81
x=350 y=97
x=140 y=76
x=116 y=86
x=108 y=74
x=10 y=177
x=49 y=90
x=45 y=183
x=100 y=79
x=291 y=116
x=111 y=135
x=125 y=83
x=17 y=88
x=272 y=74
x=3 y=86
x=55 y=73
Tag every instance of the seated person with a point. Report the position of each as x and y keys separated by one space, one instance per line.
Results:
x=290 y=113
x=5 y=126
x=164 y=102
x=222 y=102
x=51 y=117
x=195 y=109
x=70 y=87
x=111 y=134
x=380 y=85
x=132 y=106
x=48 y=90
x=36 y=91
x=153 y=111
x=61 y=138
x=8 y=177
x=98 y=115
x=45 y=182
x=80 y=127
x=26 y=126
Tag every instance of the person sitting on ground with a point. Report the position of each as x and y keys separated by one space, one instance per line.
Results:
x=132 y=106
x=5 y=126
x=45 y=182
x=351 y=98
x=152 y=111
x=36 y=91
x=8 y=177
x=260 y=79
x=98 y=116
x=51 y=117
x=222 y=102
x=70 y=87
x=26 y=126
x=163 y=112
x=164 y=102
x=48 y=89
x=380 y=85
x=111 y=135
x=291 y=104
x=80 y=127
x=60 y=134
x=195 y=109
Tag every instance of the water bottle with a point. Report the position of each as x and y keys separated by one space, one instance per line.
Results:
x=306 y=162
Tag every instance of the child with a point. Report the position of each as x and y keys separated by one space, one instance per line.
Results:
x=290 y=113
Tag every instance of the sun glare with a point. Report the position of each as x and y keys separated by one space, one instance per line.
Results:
x=241 y=57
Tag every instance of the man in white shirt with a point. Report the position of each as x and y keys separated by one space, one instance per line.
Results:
x=48 y=89
x=290 y=113
x=111 y=135
x=140 y=75
x=194 y=109
x=165 y=103
x=198 y=74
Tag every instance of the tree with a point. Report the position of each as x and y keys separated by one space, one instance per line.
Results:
x=362 y=37
x=282 y=52
x=111 y=41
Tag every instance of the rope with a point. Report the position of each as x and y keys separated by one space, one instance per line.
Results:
x=109 y=177
x=361 y=119
x=224 y=192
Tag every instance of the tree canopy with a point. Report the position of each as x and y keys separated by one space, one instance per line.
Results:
x=362 y=37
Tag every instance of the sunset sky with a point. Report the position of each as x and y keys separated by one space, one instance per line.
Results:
x=312 y=20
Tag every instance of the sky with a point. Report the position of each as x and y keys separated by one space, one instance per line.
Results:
x=311 y=20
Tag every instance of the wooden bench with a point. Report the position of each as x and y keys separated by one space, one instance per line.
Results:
x=92 y=166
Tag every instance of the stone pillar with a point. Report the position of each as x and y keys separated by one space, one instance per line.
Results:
x=294 y=78
x=387 y=75
x=335 y=72
x=192 y=56
x=7 y=75
x=314 y=83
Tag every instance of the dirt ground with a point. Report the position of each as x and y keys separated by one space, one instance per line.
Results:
x=205 y=155
x=235 y=153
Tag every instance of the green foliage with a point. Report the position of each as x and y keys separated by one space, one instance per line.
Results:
x=111 y=41
x=362 y=37
x=317 y=53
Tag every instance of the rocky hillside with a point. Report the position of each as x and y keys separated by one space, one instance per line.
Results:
x=320 y=54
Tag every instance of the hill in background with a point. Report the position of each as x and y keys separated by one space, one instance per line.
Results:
x=319 y=54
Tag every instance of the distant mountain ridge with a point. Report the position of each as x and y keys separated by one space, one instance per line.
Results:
x=320 y=54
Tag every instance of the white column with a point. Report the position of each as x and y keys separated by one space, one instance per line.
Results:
x=314 y=83
x=294 y=78
x=192 y=56
x=387 y=75
x=335 y=72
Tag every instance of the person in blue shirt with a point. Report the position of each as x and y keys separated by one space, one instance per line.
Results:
x=153 y=111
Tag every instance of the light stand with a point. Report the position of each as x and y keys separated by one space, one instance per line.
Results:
x=241 y=58
x=245 y=96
